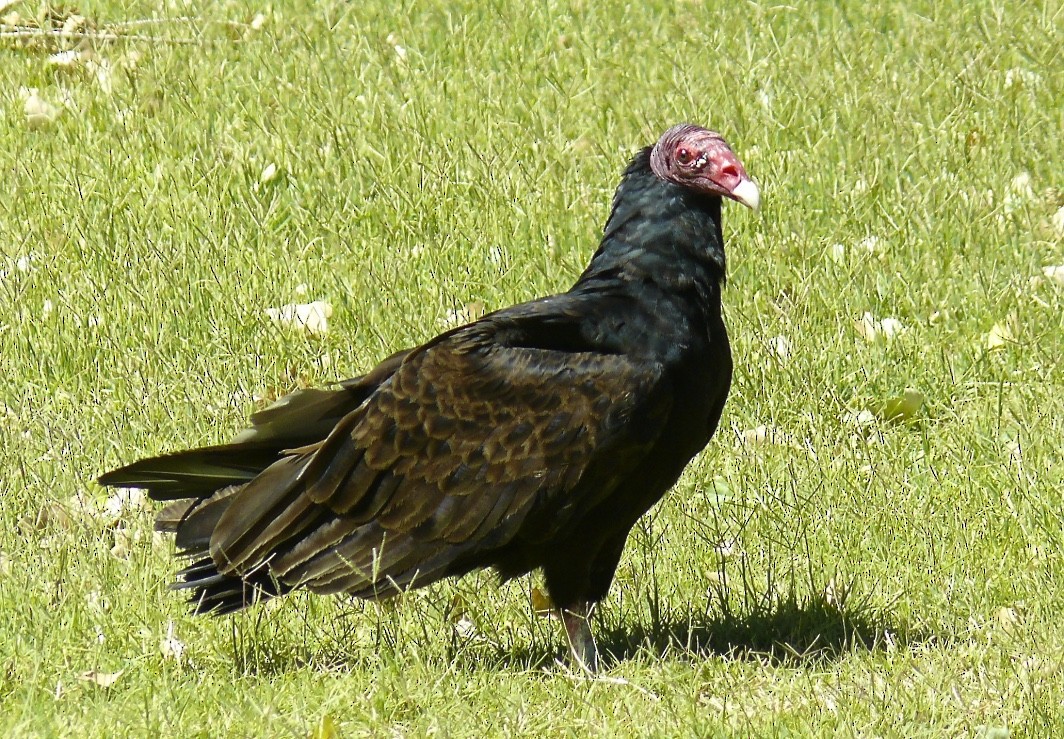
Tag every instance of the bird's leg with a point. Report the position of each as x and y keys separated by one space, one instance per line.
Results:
x=577 y=620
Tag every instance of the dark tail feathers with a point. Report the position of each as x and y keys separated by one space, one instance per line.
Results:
x=202 y=482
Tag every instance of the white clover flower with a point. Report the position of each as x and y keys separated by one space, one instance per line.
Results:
x=269 y=174
x=760 y=435
x=1018 y=78
x=1058 y=222
x=172 y=647
x=64 y=59
x=859 y=419
x=999 y=336
x=1054 y=273
x=872 y=330
x=121 y=550
x=781 y=347
x=95 y=600
x=891 y=327
x=101 y=679
x=127 y=499
x=82 y=505
x=871 y=244
x=765 y=97
x=39 y=112
x=313 y=318
x=466 y=314
x=1019 y=193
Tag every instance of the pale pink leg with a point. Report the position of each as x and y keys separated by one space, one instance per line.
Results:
x=577 y=620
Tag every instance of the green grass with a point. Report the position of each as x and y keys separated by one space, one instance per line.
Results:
x=893 y=579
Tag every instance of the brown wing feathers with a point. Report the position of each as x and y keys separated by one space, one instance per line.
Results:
x=447 y=455
x=420 y=470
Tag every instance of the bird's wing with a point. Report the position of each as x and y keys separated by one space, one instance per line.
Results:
x=466 y=441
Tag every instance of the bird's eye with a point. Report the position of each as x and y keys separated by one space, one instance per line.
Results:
x=683 y=156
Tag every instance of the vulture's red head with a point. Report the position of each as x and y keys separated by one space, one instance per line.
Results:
x=702 y=160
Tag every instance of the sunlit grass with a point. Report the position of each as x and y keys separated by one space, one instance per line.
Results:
x=831 y=573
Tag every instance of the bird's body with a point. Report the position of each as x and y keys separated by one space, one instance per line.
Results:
x=532 y=438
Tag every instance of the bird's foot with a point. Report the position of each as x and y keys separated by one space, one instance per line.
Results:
x=577 y=620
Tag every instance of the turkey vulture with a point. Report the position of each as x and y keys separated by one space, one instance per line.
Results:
x=534 y=437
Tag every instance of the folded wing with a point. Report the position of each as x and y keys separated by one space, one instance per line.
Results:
x=467 y=444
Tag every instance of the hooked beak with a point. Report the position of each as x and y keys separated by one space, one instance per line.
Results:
x=746 y=192
x=728 y=177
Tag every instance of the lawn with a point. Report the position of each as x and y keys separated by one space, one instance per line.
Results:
x=872 y=544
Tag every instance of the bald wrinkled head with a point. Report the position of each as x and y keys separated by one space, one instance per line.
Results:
x=700 y=159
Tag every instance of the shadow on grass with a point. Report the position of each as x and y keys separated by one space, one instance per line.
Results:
x=787 y=631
